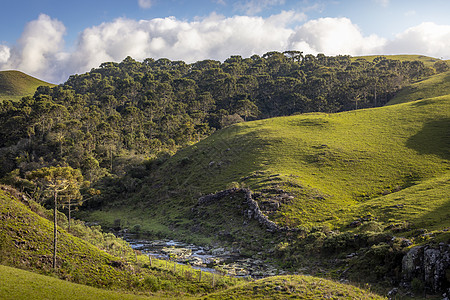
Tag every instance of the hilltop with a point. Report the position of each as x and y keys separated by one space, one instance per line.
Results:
x=14 y=85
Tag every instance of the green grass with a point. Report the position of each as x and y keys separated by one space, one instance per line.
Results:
x=428 y=61
x=26 y=242
x=332 y=164
x=294 y=287
x=19 y=284
x=14 y=85
x=437 y=85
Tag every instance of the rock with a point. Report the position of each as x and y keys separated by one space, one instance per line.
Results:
x=430 y=264
x=392 y=293
x=355 y=224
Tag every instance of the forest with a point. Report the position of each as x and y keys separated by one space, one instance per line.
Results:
x=120 y=115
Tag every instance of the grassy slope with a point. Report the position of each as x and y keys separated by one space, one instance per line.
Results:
x=437 y=85
x=26 y=242
x=335 y=165
x=294 y=287
x=14 y=85
x=428 y=61
x=19 y=284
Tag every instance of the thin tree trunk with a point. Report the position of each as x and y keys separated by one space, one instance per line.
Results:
x=68 y=229
x=55 y=231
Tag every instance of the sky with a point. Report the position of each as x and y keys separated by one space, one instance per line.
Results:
x=53 y=39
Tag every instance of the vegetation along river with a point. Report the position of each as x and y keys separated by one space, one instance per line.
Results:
x=215 y=260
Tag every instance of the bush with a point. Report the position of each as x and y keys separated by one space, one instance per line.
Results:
x=152 y=283
x=371 y=226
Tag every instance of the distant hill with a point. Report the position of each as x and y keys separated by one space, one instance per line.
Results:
x=427 y=60
x=434 y=86
x=15 y=85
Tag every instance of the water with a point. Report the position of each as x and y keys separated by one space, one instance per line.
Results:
x=217 y=260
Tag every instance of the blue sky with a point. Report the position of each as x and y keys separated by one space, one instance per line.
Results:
x=53 y=39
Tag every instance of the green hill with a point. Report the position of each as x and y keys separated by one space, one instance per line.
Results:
x=328 y=165
x=19 y=284
x=427 y=60
x=26 y=243
x=434 y=86
x=295 y=287
x=14 y=85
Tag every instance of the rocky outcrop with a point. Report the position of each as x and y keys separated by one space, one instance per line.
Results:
x=253 y=210
x=429 y=265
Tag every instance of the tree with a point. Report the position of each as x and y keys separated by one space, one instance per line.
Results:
x=57 y=182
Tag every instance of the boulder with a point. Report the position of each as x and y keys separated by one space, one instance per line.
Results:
x=430 y=264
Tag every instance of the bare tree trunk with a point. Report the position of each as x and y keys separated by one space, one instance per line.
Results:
x=68 y=229
x=55 y=230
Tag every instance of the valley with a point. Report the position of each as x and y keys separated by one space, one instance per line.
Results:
x=285 y=175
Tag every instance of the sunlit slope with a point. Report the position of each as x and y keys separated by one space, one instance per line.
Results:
x=26 y=242
x=294 y=287
x=436 y=85
x=330 y=164
x=427 y=60
x=15 y=85
x=19 y=284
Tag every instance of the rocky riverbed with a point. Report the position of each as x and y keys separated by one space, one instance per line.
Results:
x=219 y=260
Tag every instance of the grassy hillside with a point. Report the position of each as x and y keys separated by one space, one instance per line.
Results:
x=26 y=243
x=295 y=287
x=437 y=85
x=19 y=284
x=317 y=168
x=15 y=85
x=427 y=60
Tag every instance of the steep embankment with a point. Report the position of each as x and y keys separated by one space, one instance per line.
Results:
x=307 y=170
x=15 y=85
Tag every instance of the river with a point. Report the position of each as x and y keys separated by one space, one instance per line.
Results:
x=214 y=260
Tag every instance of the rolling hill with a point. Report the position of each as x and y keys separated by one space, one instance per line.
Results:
x=15 y=85
x=315 y=168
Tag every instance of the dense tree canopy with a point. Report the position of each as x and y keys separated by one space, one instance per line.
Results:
x=121 y=113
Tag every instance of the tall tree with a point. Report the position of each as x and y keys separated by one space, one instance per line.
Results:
x=57 y=182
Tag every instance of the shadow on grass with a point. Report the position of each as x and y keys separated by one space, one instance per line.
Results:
x=437 y=219
x=433 y=138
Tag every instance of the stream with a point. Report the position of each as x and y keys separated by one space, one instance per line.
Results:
x=214 y=260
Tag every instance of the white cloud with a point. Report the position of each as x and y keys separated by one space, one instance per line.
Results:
x=145 y=4
x=40 y=51
x=5 y=53
x=334 y=36
x=427 y=38
x=39 y=48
